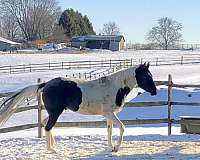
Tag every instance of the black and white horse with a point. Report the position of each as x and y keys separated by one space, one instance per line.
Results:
x=104 y=96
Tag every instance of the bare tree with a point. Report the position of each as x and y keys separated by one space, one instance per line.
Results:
x=58 y=35
x=166 y=34
x=1 y=26
x=110 y=28
x=32 y=16
x=9 y=27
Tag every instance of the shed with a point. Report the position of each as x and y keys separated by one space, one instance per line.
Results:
x=109 y=42
x=7 y=45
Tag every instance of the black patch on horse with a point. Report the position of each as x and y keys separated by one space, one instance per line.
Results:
x=59 y=94
x=121 y=93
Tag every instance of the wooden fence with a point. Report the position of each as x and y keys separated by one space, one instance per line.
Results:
x=96 y=64
x=167 y=103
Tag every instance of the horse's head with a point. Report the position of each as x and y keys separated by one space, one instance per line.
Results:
x=144 y=79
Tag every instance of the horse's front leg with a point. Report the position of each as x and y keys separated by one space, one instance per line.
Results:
x=109 y=130
x=113 y=117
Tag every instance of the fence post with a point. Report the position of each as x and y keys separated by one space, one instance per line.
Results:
x=169 y=103
x=90 y=76
x=79 y=75
x=157 y=61
x=30 y=67
x=141 y=61
x=181 y=59
x=10 y=69
x=90 y=66
x=39 y=112
x=110 y=63
x=24 y=68
x=62 y=65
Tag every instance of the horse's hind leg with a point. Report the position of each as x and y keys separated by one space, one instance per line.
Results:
x=52 y=140
x=53 y=143
x=49 y=138
x=44 y=122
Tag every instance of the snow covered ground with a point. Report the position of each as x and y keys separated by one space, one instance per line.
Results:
x=140 y=142
x=34 y=58
x=90 y=143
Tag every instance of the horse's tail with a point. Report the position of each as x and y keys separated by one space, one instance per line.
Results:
x=9 y=106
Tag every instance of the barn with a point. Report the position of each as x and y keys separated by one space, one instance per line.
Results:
x=109 y=42
x=7 y=45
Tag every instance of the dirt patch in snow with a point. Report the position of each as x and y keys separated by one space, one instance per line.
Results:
x=95 y=147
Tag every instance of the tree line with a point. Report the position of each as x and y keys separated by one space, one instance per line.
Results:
x=35 y=19
x=29 y=20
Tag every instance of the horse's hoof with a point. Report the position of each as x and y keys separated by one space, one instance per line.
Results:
x=115 y=149
x=51 y=151
x=110 y=149
x=54 y=144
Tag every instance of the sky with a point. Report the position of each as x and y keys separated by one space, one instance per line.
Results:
x=136 y=17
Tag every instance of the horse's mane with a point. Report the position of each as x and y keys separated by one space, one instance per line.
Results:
x=108 y=76
x=77 y=80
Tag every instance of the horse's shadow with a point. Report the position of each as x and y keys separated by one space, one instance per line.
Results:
x=173 y=152
x=158 y=137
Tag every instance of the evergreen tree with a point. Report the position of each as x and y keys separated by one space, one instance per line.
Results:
x=75 y=24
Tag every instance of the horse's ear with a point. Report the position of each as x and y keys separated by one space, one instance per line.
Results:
x=148 y=64
x=144 y=63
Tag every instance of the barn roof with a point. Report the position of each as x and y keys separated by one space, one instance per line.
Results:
x=8 y=41
x=116 y=38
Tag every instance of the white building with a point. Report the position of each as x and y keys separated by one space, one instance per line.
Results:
x=109 y=42
x=7 y=45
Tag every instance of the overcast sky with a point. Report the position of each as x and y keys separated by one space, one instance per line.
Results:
x=136 y=17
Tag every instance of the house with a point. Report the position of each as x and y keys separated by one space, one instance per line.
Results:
x=109 y=42
x=7 y=45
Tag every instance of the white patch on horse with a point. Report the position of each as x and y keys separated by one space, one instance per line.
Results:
x=99 y=95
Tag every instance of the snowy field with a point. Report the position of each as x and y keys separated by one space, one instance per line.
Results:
x=34 y=58
x=140 y=142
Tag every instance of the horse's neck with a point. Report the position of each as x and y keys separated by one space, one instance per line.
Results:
x=117 y=80
x=124 y=78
